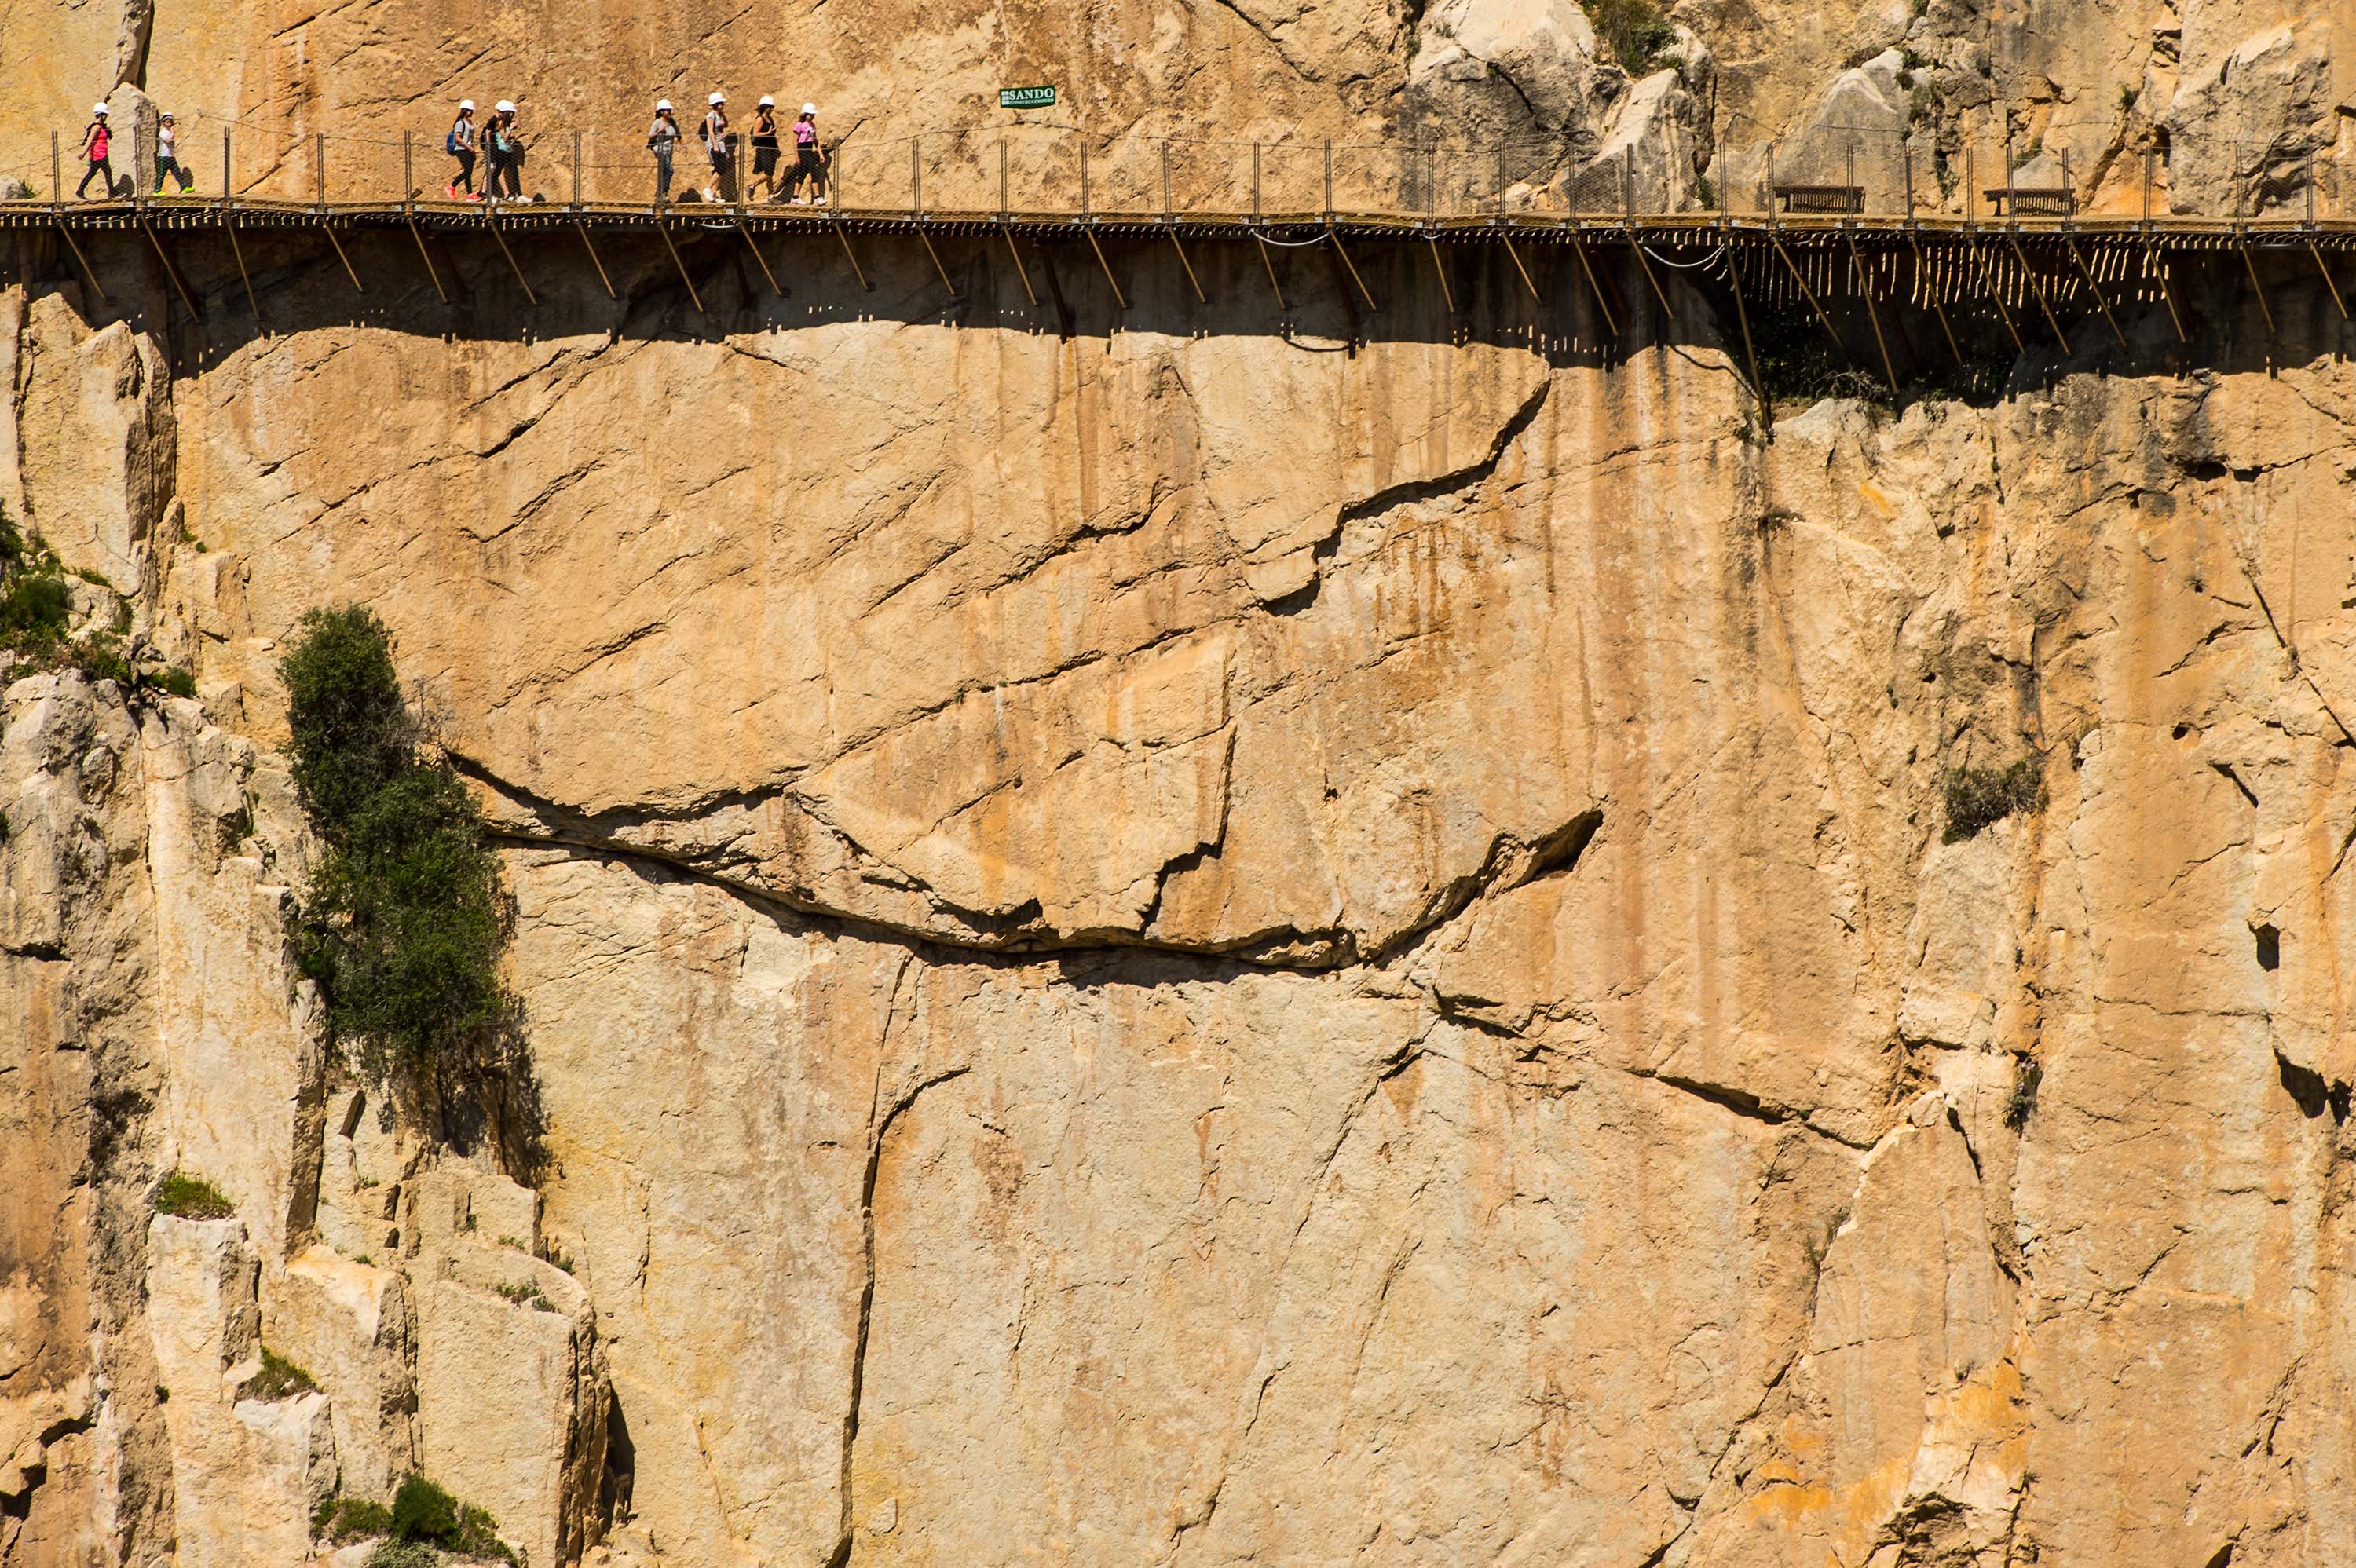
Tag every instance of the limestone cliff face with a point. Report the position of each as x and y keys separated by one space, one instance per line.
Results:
x=1236 y=937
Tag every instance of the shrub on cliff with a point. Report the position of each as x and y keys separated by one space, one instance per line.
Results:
x=404 y=920
x=1634 y=33
x=1980 y=796
x=189 y=1196
x=422 y=1511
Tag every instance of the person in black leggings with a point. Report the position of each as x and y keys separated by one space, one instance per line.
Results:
x=460 y=144
x=97 y=142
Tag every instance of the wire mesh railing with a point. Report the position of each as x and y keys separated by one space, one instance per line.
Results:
x=1921 y=171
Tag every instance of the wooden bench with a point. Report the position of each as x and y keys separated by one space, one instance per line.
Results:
x=2034 y=201
x=1821 y=197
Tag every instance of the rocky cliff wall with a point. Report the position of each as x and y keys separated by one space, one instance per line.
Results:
x=1220 y=939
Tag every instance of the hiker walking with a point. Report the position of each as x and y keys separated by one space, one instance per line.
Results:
x=715 y=143
x=97 y=142
x=460 y=144
x=765 y=151
x=809 y=158
x=499 y=142
x=662 y=141
x=167 y=156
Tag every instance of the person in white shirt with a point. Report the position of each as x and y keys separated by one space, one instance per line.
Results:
x=168 y=157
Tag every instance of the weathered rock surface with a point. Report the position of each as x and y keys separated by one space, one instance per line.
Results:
x=1246 y=938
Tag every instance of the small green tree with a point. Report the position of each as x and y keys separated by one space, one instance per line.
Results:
x=404 y=920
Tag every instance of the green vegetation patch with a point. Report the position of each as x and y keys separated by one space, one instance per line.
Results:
x=405 y=919
x=186 y=1197
x=36 y=608
x=342 y=1519
x=1633 y=32
x=1980 y=796
x=278 y=1379
x=424 y=1512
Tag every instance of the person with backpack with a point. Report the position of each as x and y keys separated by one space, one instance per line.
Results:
x=506 y=154
x=460 y=144
x=765 y=151
x=168 y=157
x=715 y=130
x=662 y=141
x=809 y=158
x=97 y=143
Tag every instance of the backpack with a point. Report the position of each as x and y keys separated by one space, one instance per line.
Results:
x=450 y=142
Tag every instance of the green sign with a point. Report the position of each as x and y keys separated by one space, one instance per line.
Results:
x=1026 y=98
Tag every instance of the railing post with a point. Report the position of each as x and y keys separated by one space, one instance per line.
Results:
x=1254 y=182
x=1005 y=206
x=229 y=191
x=1500 y=191
x=1852 y=175
x=1431 y=183
x=1909 y=182
x=408 y=173
x=1329 y=182
x=916 y=178
x=1628 y=190
x=2149 y=153
x=58 y=175
x=576 y=169
x=320 y=168
x=1771 y=181
x=1168 y=215
x=1084 y=172
x=1971 y=184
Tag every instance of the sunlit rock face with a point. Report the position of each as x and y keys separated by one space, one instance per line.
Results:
x=1215 y=931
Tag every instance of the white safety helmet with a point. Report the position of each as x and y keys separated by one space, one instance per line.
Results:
x=505 y=107
x=809 y=108
x=767 y=102
x=662 y=106
x=717 y=99
x=466 y=106
x=97 y=109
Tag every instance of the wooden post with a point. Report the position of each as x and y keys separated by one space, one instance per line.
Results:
x=842 y=234
x=2338 y=303
x=2251 y=263
x=2087 y=273
x=1335 y=240
x=1118 y=299
x=663 y=229
x=1864 y=289
x=328 y=229
x=1750 y=358
x=925 y=235
x=1995 y=296
x=1807 y=294
x=1270 y=262
x=1514 y=256
x=418 y=234
x=1196 y=283
x=752 y=244
x=179 y=286
x=1594 y=284
x=1020 y=270
x=2030 y=276
x=529 y=298
x=1937 y=309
